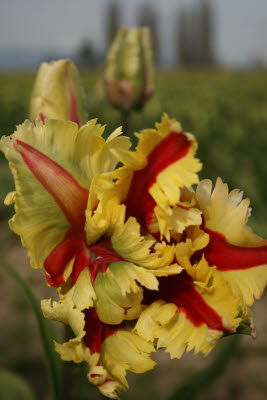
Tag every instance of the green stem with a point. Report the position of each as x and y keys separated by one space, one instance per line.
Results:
x=125 y=121
x=67 y=375
x=47 y=330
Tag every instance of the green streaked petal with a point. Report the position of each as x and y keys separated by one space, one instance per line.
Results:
x=118 y=290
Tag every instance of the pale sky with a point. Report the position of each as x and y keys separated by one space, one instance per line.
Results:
x=61 y=25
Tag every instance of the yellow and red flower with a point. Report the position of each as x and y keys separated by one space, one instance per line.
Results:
x=139 y=259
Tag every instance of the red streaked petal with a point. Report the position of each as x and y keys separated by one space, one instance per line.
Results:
x=179 y=289
x=73 y=112
x=82 y=260
x=229 y=257
x=43 y=117
x=59 y=183
x=106 y=252
x=105 y=255
x=97 y=266
x=96 y=331
x=59 y=258
x=139 y=202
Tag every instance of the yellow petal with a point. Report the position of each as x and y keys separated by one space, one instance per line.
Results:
x=239 y=254
x=132 y=246
x=248 y=284
x=126 y=351
x=226 y=212
x=81 y=294
x=65 y=313
x=175 y=219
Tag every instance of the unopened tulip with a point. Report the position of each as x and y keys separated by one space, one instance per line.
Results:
x=58 y=93
x=129 y=75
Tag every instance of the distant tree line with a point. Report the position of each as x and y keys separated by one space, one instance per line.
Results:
x=195 y=35
x=193 y=30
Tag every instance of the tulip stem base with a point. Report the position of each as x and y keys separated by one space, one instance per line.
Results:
x=67 y=372
x=125 y=121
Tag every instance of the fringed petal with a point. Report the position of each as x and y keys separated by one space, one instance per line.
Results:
x=81 y=294
x=164 y=324
x=169 y=165
x=248 y=285
x=226 y=212
x=109 y=350
x=239 y=254
x=65 y=313
x=191 y=310
x=126 y=351
x=175 y=222
x=171 y=222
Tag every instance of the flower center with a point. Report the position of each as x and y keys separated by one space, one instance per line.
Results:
x=102 y=254
x=96 y=257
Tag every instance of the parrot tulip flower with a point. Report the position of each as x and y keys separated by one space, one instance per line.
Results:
x=140 y=260
x=72 y=216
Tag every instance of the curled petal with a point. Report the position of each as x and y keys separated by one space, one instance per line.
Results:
x=126 y=350
x=190 y=310
x=173 y=330
x=132 y=246
x=118 y=290
x=239 y=254
x=175 y=222
x=109 y=350
x=167 y=164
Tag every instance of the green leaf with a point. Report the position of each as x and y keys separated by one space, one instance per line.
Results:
x=197 y=382
x=13 y=387
x=47 y=330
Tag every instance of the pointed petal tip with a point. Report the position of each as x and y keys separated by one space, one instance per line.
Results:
x=69 y=195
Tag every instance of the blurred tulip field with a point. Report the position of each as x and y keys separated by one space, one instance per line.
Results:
x=227 y=112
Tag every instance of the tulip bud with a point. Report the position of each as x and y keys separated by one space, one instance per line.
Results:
x=58 y=93
x=129 y=75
